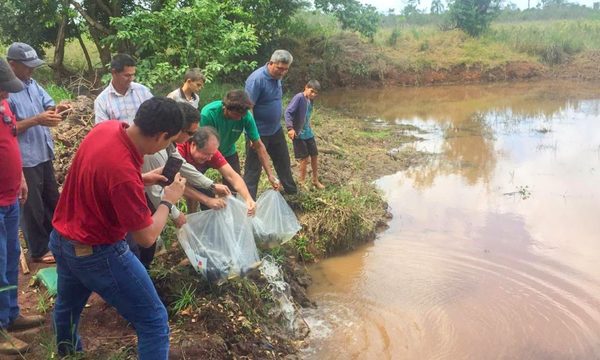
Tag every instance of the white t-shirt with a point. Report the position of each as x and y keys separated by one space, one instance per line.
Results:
x=178 y=95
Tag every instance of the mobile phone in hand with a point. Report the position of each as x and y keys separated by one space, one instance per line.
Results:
x=171 y=168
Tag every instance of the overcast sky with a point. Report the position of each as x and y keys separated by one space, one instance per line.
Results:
x=384 y=5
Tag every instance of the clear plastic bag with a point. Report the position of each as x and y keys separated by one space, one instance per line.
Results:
x=274 y=223
x=220 y=243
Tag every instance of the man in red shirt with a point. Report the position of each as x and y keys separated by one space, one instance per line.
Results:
x=13 y=191
x=202 y=151
x=102 y=200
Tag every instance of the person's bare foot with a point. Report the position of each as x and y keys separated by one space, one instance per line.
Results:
x=318 y=185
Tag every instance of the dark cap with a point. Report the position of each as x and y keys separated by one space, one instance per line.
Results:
x=25 y=54
x=8 y=80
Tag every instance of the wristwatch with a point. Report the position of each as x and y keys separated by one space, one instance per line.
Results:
x=212 y=187
x=167 y=204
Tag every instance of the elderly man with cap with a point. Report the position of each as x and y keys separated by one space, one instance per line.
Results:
x=36 y=113
x=13 y=190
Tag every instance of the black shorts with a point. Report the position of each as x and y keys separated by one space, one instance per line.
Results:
x=304 y=148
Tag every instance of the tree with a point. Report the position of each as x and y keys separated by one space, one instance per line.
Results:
x=411 y=8
x=47 y=23
x=208 y=34
x=352 y=15
x=31 y=21
x=437 y=7
x=269 y=17
x=473 y=16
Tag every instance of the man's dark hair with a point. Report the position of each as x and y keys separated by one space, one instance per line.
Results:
x=201 y=136
x=313 y=84
x=237 y=100
x=191 y=115
x=194 y=74
x=119 y=61
x=157 y=115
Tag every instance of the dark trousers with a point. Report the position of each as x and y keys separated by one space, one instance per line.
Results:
x=278 y=151
x=37 y=212
x=234 y=162
x=145 y=255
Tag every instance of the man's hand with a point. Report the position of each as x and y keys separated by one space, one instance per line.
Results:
x=174 y=192
x=222 y=190
x=275 y=183
x=180 y=221
x=291 y=134
x=64 y=107
x=154 y=177
x=216 y=204
x=48 y=118
x=23 y=191
x=251 y=207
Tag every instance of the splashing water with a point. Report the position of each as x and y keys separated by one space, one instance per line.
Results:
x=280 y=290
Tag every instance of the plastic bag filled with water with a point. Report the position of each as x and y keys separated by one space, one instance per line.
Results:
x=220 y=243
x=274 y=223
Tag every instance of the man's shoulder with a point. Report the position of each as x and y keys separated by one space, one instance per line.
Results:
x=248 y=118
x=298 y=97
x=103 y=94
x=174 y=94
x=137 y=86
x=256 y=75
x=212 y=108
x=31 y=84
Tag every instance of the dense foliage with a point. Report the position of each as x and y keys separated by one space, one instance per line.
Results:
x=352 y=15
x=208 y=34
x=473 y=16
x=39 y=29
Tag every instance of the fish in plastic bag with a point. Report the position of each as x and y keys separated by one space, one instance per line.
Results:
x=274 y=222
x=220 y=243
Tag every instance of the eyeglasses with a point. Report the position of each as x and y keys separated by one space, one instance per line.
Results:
x=7 y=120
x=190 y=133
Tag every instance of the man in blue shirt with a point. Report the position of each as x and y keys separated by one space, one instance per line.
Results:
x=35 y=112
x=265 y=91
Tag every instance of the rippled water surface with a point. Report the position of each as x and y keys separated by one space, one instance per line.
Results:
x=494 y=248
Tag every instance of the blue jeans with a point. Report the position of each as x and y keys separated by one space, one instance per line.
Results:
x=114 y=273
x=9 y=262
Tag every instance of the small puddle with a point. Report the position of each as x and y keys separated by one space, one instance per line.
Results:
x=493 y=248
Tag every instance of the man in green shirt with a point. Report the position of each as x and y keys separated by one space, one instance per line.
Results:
x=230 y=117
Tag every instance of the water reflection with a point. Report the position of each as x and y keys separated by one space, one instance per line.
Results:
x=493 y=251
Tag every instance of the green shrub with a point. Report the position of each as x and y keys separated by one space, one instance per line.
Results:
x=58 y=93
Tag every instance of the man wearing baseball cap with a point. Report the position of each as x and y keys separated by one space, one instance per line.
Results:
x=36 y=113
x=13 y=190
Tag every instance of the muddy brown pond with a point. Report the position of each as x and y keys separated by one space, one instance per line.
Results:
x=494 y=248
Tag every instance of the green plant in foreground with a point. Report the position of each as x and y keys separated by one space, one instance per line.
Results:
x=44 y=303
x=186 y=298
x=301 y=244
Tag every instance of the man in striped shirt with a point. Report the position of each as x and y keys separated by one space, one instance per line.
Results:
x=121 y=99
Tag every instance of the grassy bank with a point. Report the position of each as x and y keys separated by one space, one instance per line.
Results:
x=409 y=54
